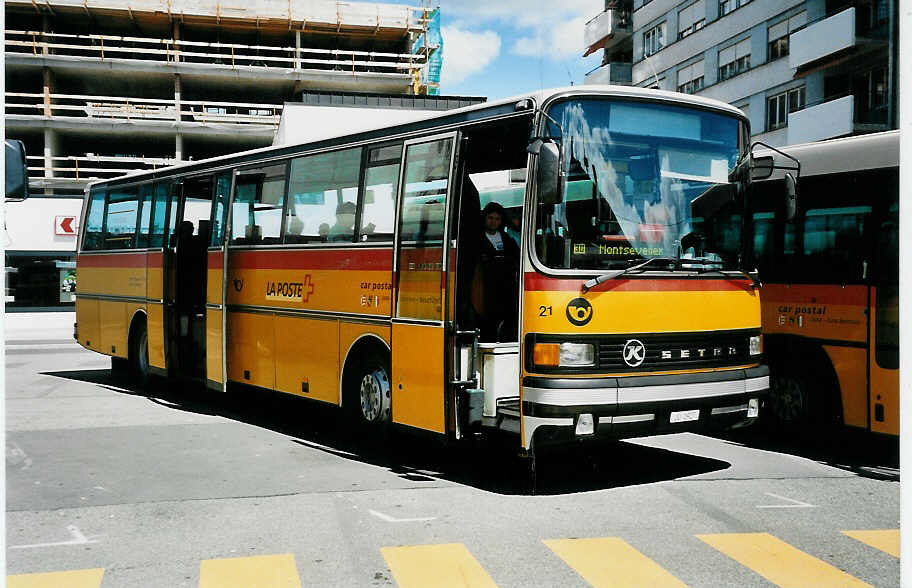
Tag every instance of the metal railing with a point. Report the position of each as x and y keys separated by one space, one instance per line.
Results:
x=227 y=55
x=91 y=167
x=138 y=109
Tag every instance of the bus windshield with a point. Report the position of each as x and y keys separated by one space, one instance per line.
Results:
x=641 y=181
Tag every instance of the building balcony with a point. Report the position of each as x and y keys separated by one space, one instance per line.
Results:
x=611 y=73
x=836 y=118
x=822 y=38
x=76 y=109
x=608 y=29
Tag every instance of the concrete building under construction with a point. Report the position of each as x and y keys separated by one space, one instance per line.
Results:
x=96 y=88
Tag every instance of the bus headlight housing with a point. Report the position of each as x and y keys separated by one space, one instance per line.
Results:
x=564 y=354
x=755 y=345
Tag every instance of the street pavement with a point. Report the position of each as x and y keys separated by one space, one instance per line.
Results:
x=109 y=487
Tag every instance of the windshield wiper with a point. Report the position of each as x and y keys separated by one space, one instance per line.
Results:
x=589 y=284
x=753 y=276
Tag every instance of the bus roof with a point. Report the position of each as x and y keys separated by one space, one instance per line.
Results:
x=465 y=115
x=861 y=152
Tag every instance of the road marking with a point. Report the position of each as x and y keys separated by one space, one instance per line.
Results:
x=793 y=503
x=442 y=566
x=277 y=571
x=70 y=579
x=78 y=539
x=886 y=540
x=779 y=562
x=611 y=562
x=389 y=519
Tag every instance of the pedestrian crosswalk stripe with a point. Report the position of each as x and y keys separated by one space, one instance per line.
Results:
x=779 y=562
x=277 y=571
x=70 y=579
x=886 y=540
x=611 y=562
x=436 y=565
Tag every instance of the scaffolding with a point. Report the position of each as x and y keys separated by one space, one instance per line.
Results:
x=429 y=45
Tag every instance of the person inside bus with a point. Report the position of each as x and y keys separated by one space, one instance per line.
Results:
x=344 y=229
x=496 y=277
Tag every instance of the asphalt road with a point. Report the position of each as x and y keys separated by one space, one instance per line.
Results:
x=110 y=487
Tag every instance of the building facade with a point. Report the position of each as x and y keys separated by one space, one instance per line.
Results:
x=99 y=88
x=802 y=70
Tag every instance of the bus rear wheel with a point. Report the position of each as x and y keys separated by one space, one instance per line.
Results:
x=139 y=357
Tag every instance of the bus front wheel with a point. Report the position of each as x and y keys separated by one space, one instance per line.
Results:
x=374 y=394
x=788 y=399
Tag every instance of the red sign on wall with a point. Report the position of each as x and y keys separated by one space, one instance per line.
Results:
x=66 y=225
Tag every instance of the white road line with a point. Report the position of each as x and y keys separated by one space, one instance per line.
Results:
x=794 y=503
x=389 y=519
x=78 y=539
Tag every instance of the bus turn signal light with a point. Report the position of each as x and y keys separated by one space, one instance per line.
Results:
x=546 y=354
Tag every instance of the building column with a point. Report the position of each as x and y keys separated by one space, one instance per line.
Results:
x=51 y=150
x=297 y=54
x=179 y=147
x=178 y=138
x=175 y=34
x=48 y=89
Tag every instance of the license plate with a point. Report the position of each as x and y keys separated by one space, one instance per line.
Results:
x=683 y=416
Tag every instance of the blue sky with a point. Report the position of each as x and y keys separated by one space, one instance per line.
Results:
x=499 y=48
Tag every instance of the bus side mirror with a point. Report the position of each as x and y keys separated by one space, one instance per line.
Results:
x=547 y=173
x=761 y=167
x=16 y=171
x=791 y=197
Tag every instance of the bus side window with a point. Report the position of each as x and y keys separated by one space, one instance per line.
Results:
x=256 y=215
x=322 y=197
x=146 y=194
x=120 y=218
x=94 y=232
x=222 y=186
x=159 y=208
x=886 y=312
x=378 y=202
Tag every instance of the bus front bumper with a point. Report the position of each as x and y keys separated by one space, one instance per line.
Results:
x=634 y=406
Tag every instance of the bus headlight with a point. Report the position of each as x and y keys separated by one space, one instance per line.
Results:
x=564 y=354
x=756 y=345
x=577 y=354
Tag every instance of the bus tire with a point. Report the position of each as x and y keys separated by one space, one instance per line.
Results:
x=139 y=356
x=370 y=399
x=788 y=399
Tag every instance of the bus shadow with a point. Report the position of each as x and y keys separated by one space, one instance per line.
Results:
x=866 y=454
x=493 y=466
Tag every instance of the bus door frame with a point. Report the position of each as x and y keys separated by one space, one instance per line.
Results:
x=434 y=336
x=222 y=305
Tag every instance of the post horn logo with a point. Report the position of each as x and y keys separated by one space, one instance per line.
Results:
x=634 y=352
x=579 y=311
x=238 y=285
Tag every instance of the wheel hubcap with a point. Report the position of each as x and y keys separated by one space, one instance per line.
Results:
x=374 y=392
x=788 y=399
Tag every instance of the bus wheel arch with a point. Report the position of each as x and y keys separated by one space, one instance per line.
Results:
x=809 y=394
x=366 y=385
x=138 y=348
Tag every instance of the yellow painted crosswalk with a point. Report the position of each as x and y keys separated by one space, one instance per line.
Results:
x=601 y=561
x=779 y=562
x=436 y=565
x=611 y=562
x=886 y=540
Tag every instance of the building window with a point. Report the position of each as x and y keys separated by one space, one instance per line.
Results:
x=735 y=59
x=653 y=40
x=691 y=19
x=690 y=78
x=780 y=105
x=778 y=35
x=726 y=6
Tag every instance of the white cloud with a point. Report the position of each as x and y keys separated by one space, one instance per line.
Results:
x=546 y=28
x=466 y=53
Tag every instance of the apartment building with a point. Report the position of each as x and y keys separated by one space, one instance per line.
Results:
x=802 y=70
x=99 y=88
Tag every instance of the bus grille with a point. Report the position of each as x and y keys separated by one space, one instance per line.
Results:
x=674 y=351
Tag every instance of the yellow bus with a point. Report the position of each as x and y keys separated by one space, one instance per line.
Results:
x=371 y=271
x=831 y=284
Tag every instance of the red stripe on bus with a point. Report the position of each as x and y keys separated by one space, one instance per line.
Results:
x=113 y=260
x=534 y=281
x=215 y=260
x=815 y=294
x=317 y=259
